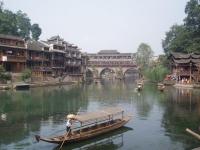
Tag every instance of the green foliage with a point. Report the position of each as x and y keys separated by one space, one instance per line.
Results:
x=157 y=73
x=3 y=75
x=177 y=39
x=163 y=60
x=17 y=24
x=1 y=6
x=143 y=57
x=192 y=20
x=185 y=38
x=26 y=74
x=36 y=31
x=23 y=24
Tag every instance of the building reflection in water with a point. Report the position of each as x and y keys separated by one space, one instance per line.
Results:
x=187 y=99
x=182 y=110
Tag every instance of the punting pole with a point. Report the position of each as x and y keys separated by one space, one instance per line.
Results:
x=64 y=140
x=193 y=133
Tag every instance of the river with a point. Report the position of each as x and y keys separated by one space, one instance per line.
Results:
x=159 y=118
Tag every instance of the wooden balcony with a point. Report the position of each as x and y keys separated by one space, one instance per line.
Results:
x=38 y=59
x=13 y=58
x=61 y=58
x=39 y=68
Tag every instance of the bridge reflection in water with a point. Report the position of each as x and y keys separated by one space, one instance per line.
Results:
x=112 y=140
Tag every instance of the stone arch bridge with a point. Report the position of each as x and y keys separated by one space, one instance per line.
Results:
x=118 y=72
x=112 y=61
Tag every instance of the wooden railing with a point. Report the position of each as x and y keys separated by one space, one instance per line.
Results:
x=38 y=59
x=14 y=58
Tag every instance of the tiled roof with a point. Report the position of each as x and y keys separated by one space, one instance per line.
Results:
x=184 y=56
x=54 y=38
x=108 y=52
x=35 y=45
x=12 y=37
x=180 y=55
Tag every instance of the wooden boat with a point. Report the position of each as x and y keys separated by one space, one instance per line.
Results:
x=161 y=87
x=91 y=125
x=139 y=86
x=114 y=138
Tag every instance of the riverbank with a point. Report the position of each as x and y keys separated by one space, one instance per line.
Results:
x=46 y=83
x=180 y=85
x=36 y=84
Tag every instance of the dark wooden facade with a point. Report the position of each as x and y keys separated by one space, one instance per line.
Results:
x=12 y=53
x=54 y=57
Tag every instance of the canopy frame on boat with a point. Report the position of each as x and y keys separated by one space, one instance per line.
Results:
x=99 y=115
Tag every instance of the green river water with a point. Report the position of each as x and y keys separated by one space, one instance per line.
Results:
x=158 y=123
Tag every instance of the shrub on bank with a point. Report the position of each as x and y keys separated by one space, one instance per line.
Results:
x=4 y=76
x=157 y=73
x=26 y=74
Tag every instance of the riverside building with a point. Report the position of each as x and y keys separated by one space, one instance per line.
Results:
x=52 y=58
x=185 y=67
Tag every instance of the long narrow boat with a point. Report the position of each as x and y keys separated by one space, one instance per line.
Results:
x=139 y=85
x=161 y=87
x=91 y=125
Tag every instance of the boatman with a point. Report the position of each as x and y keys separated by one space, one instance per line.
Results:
x=69 y=123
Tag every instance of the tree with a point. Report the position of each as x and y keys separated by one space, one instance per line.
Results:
x=192 y=20
x=8 y=23
x=185 y=38
x=23 y=24
x=162 y=60
x=157 y=73
x=177 y=39
x=36 y=31
x=144 y=55
x=17 y=24
x=1 y=6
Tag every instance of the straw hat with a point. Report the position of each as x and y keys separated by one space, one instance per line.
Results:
x=70 y=116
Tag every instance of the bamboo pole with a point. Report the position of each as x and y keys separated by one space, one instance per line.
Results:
x=64 y=140
x=193 y=133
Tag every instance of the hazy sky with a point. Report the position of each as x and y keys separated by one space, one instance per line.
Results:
x=104 y=24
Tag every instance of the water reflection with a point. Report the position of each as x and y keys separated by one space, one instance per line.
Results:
x=27 y=111
x=159 y=118
x=113 y=140
x=182 y=111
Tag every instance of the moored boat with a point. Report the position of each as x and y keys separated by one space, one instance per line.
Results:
x=91 y=125
x=139 y=85
x=161 y=86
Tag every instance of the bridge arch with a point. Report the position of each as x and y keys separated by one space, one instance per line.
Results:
x=107 y=72
x=133 y=71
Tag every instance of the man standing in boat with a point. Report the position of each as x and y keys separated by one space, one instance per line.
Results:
x=69 y=123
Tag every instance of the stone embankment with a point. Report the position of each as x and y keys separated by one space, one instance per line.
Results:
x=36 y=84
x=50 y=81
